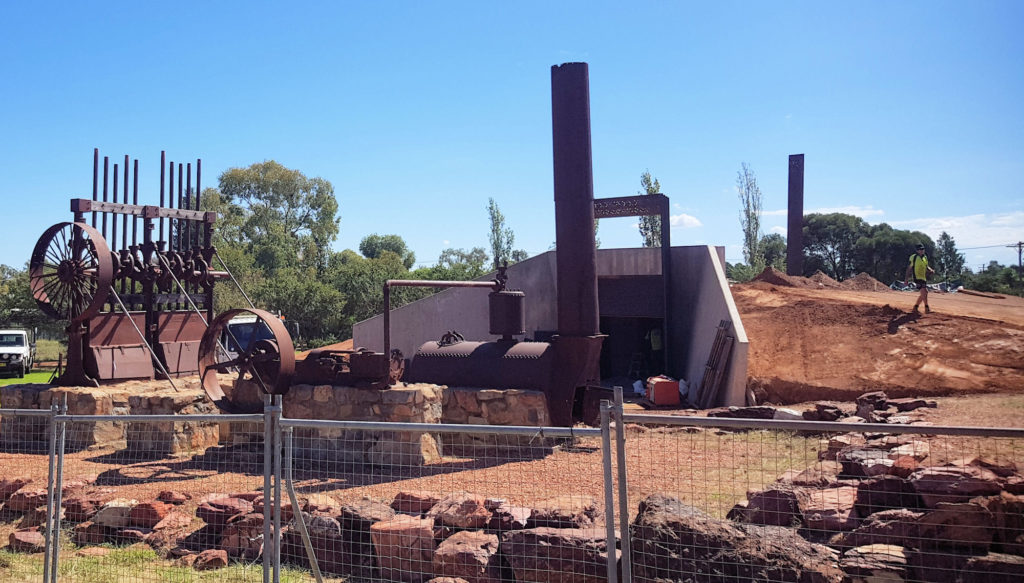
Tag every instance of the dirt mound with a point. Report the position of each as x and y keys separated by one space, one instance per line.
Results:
x=776 y=277
x=823 y=279
x=825 y=343
x=863 y=282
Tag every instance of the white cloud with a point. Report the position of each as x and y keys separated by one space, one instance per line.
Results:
x=971 y=230
x=447 y=242
x=779 y=230
x=684 y=220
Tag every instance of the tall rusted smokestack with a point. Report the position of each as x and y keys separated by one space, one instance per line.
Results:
x=795 y=216
x=574 y=201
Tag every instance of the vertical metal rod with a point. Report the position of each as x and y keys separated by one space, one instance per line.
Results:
x=135 y=200
x=152 y=353
x=620 y=452
x=289 y=484
x=199 y=177
x=50 y=478
x=113 y=222
x=276 y=412
x=182 y=223
x=188 y=203
x=106 y=170
x=170 y=204
x=609 y=497
x=95 y=179
x=268 y=437
x=58 y=489
x=163 y=164
x=124 y=218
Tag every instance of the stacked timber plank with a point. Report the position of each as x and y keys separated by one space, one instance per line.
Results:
x=714 y=371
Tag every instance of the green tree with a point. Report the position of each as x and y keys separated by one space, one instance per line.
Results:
x=739 y=272
x=284 y=207
x=948 y=261
x=18 y=309
x=773 y=249
x=750 y=216
x=456 y=265
x=650 y=225
x=501 y=237
x=373 y=245
x=317 y=308
x=361 y=282
x=830 y=242
x=882 y=251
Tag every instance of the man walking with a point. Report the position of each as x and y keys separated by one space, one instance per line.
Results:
x=918 y=267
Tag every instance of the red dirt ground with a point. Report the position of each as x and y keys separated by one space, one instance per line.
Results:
x=811 y=342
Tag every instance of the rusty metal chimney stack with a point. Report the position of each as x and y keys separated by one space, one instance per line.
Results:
x=795 y=218
x=574 y=201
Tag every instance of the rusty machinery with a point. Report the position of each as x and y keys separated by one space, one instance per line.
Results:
x=138 y=309
x=566 y=368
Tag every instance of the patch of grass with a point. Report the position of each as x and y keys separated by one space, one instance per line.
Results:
x=132 y=564
x=47 y=350
x=40 y=377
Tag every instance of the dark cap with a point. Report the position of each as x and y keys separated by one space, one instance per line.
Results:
x=920 y=247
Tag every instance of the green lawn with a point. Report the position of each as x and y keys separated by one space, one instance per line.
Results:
x=36 y=376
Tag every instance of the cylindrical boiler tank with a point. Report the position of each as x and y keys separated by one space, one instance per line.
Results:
x=494 y=365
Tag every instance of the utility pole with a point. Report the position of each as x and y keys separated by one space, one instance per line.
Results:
x=1020 y=269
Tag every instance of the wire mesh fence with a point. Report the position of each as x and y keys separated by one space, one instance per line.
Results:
x=685 y=499
x=407 y=502
x=712 y=500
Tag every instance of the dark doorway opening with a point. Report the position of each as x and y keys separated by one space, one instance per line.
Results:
x=632 y=351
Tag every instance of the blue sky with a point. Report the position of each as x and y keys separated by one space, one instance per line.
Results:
x=908 y=112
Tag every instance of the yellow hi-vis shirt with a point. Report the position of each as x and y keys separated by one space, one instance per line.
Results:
x=920 y=264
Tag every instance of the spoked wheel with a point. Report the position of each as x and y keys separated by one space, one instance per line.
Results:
x=70 y=272
x=255 y=350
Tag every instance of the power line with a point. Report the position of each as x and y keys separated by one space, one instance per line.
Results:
x=987 y=247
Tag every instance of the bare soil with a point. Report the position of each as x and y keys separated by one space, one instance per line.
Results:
x=819 y=342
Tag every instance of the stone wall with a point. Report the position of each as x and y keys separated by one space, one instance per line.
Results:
x=128 y=398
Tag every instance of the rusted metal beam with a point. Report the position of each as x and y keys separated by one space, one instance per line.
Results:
x=146 y=211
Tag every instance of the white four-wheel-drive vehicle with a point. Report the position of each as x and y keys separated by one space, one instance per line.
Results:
x=17 y=352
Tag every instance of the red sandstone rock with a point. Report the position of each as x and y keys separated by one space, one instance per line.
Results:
x=993 y=567
x=210 y=559
x=243 y=536
x=954 y=484
x=564 y=512
x=405 y=547
x=830 y=509
x=778 y=505
x=470 y=555
x=216 y=511
x=148 y=514
x=89 y=533
x=174 y=521
x=173 y=497
x=414 y=501
x=461 y=511
x=875 y=563
x=9 y=486
x=26 y=499
x=557 y=555
x=28 y=540
x=131 y=535
x=82 y=508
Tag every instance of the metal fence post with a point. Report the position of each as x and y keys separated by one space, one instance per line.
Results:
x=620 y=452
x=268 y=437
x=275 y=412
x=58 y=490
x=50 y=477
x=300 y=521
x=609 y=496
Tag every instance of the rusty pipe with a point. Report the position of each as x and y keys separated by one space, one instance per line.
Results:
x=495 y=285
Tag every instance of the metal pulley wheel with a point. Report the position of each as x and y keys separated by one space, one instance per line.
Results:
x=71 y=271
x=256 y=351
